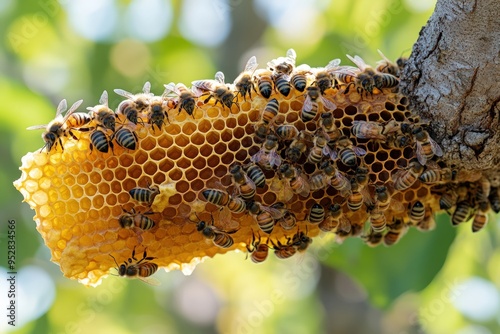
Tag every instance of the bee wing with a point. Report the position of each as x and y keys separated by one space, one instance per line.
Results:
x=383 y=56
x=305 y=187
x=146 y=89
x=358 y=150
x=332 y=65
x=360 y=63
x=250 y=182
x=196 y=91
x=291 y=55
x=307 y=103
x=302 y=68
x=72 y=110
x=285 y=193
x=397 y=206
x=251 y=65
x=274 y=159
x=63 y=105
x=333 y=154
x=348 y=70
x=219 y=77
x=104 y=98
x=344 y=225
x=124 y=93
x=150 y=280
x=328 y=104
x=169 y=88
x=206 y=85
x=436 y=148
x=37 y=127
x=327 y=151
x=258 y=156
x=422 y=159
x=225 y=216
x=275 y=213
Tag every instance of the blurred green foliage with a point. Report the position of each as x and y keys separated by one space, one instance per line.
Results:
x=45 y=57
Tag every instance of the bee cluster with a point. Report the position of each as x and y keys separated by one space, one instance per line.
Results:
x=267 y=163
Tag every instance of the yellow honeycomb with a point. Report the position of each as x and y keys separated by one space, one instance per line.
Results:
x=79 y=195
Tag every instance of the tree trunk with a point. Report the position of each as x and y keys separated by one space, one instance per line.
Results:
x=451 y=80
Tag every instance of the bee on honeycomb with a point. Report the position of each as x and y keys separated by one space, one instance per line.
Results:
x=274 y=169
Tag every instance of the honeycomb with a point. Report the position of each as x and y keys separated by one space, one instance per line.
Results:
x=167 y=182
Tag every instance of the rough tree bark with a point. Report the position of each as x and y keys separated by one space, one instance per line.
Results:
x=451 y=80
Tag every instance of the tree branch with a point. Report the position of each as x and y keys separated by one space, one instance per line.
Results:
x=451 y=80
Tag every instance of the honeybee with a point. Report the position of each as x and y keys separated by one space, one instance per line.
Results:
x=218 y=90
x=258 y=250
x=264 y=216
x=287 y=132
x=219 y=237
x=77 y=120
x=100 y=141
x=157 y=113
x=481 y=216
x=146 y=195
x=417 y=213
x=264 y=82
x=427 y=148
x=324 y=76
x=328 y=126
x=449 y=198
x=261 y=130
x=494 y=199
x=377 y=221
x=223 y=199
x=316 y=214
x=484 y=190
x=363 y=80
x=384 y=80
x=57 y=128
x=186 y=97
x=384 y=200
x=298 y=77
x=126 y=138
x=301 y=241
x=243 y=82
x=288 y=219
x=437 y=175
x=297 y=181
x=297 y=147
x=462 y=212
x=373 y=130
x=140 y=269
x=319 y=149
x=282 y=84
x=243 y=183
x=270 y=111
x=134 y=104
x=398 y=141
x=357 y=197
x=387 y=66
x=132 y=218
x=327 y=173
x=102 y=114
x=406 y=177
x=396 y=231
x=284 y=251
x=347 y=151
x=331 y=220
x=284 y=65
x=373 y=238
x=256 y=174
x=267 y=157
x=310 y=107
x=428 y=223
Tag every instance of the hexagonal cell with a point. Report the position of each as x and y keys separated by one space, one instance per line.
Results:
x=181 y=140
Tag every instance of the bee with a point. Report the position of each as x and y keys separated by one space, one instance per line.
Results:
x=398 y=141
x=328 y=126
x=223 y=199
x=427 y=148
x=324 y=76
x=377 y=221
x=484 y=190
x=282 y=84
x=297 y=181
x=267 y=157
x=264 y=82
x=384 y=200
x=132 y=218
x=373 y=239
x=218 y=90
x=319 y=149
x=258 y=250
x=126 y=138
x=297 y=147
x=157 y=113
x=264 y=215
x=57 y=128
x=310 y=107
x=261 y=130
x=77 y=120
x=146 y=195
x=448 y=199
x=316 y=214
x=270 y=111
x=243 y=183
x=288 y=219
x=284 y=251
x=287 y=132
x=396 y=231
x=373 y=130
x=101 y=113
x=298 y=77
x=406 y=177
x=481 y=216
x=335 y=219
x=462 y=213
x=437 y=175
x=284 y=65
x=347 y=151
x=100 y=141
x=140 y=269
x=330 y=175
x=219 y=237
x=384 y=80
x=387 y=66
x=356 y=199
x=301 y=241
x=256 y=174
x=417 y=213
x=186 y=97
x=428 y=223
x=243 y=82
x=494 y=198
x=134 y=104
x=365 y=79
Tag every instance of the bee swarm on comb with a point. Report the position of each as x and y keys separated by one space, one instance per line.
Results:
x=264 y=164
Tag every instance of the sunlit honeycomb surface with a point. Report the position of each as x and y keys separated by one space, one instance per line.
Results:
x=79 y=195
